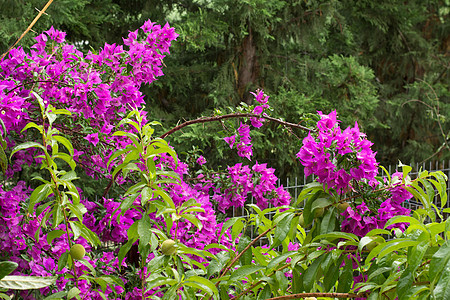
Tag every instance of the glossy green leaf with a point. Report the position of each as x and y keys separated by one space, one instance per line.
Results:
x=193 y=219
x=311 y=273
x=228 y=223
x=246 y=257
x=442 y=289
x=124 y=250
x=282 y=230
x=244 y=271
x=279 y=259
x=39 y=194
x=143 y=229
x=203 y=284
x=346 y=277
x=6 y=267
x=79 y=229
x=27 y=145
x=337 y=235
x=53 y=235
x=3 y=160
x=439 y=261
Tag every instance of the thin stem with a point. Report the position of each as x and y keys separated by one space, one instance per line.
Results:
x=243 y=251
x=58 y=195
x=230 y=116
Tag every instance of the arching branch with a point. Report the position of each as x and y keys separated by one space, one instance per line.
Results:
x=230 y=116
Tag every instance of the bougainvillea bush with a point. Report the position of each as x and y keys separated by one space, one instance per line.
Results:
x=162 y=229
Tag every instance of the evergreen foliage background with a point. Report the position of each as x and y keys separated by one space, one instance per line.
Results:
x=382 y=63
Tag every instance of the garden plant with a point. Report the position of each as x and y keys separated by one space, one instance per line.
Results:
x=161 y=227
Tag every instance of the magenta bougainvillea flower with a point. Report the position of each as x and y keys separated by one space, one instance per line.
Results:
x=92 y=138
x=201 y=160
x=338 y=156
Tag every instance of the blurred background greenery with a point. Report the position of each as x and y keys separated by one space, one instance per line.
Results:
x=384 y=64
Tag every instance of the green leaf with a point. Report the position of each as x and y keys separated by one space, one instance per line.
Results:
x=416 y=255
x=383 y=249
x=188 y=250
x=337 y=235
x=81 y=229
x=228 y=223
x=312 y=188
x=58 y=295
x=65 y=142
x=39 y=194
x=26 y=282
x=246 y=258
x=439 y=261
x=33 y=125
x=203 y=284
x=404 y=219
x=119 y=153
x=6 y=267
x=405 y=283
x=193 y=219
x=297 y=279
x=165 y=197
x=53 y=235
x=308 y=215
x=157 y=262
x=62 y=261
x=144 y=225
x=311 y=273
x=346 y=277
x=331 y=277
x=67 y=158
x=281 y=258
x=328 y=223
x=236 y=229
x=405 y=169
x=133 y=137
x=27 y=145
x=3 y=160
x=442 y=289
x=320 y=203
x=124 y=250
x=159 y=281
x=73 y=292
x=88 y=265
x=244 y=271
x=282 y=230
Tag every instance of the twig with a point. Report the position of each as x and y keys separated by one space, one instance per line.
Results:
x=243 y=251
x=230 y=116
x=29 y=27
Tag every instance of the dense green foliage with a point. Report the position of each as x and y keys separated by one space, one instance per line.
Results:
x=380 y=63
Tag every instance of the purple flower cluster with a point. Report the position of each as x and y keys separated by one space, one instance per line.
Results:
x=361 y=219
x=258 y=182
x=262 y=99
x=244 y=143
x=95 y=88
x=392 y=206
x=40 y=258
x=187 y=232
x=338 y=156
